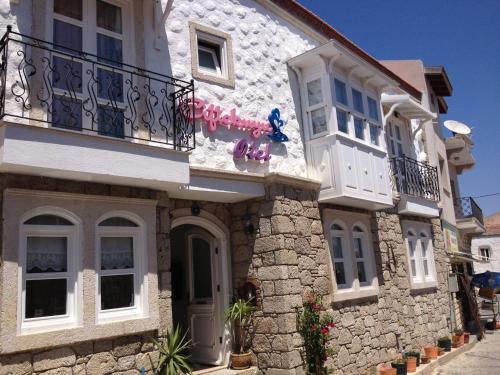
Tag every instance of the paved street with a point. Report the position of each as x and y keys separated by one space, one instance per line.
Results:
x=483 y=359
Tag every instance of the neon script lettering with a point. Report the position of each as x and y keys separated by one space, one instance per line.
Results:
x=213 y=116
x=244 y=149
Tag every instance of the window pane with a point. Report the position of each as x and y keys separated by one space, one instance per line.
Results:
x=340 y=273
x=67 y=35
x=109 y=50
x=109 y=16
x=426 y=267
x=390 y=129
x=393 y=150
x=358 y=247
x=342 y=121
x=117 y=253
x=202 y=270
x=340 y=92
x=48 y=220
x=314 y=92
x=318 y=120
x=357 y=229
x=361 y=272
x=411 y=245
x=398 y=132
x=69 y=8
x=66 y=113
x=45 y=298
x=117 y=222
x=337 y=227
x=359 y=128
x=337 y=248
x=374 y=134
x=110 y=85
x=413 y=268
x=46 y=254
x=117 y=291
x=67 y=74
x=357 y=101
x=400 y=149
x=110 y=122
x=372 y=108
x=206 y=59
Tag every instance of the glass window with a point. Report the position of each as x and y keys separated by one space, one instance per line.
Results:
x=420 y=256
x=318 y=121
x=484 y=252
x=372 y=108
x=117 y=253
x=209 y=57
x=357 y=101
x=48 y=220
x=110 y=85
x=338 y=258
x=359 y=128
x=46 y=254
x=45 y=298
x=69 y=8
x=314 y=92
x=117 y=292
x=117 y=222
x=342 y=123
x=67 y=74
x=374 y=135
x=67 y=37
x=109 y=50
x=111 y=122
x=109 y=16
x=66 y=113
x=340 y=92
x=202 y=274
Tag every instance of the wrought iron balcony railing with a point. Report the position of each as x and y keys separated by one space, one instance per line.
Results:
x=415 y=178
x=467 y=208
x=41 y=82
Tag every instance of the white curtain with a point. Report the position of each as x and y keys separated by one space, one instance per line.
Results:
x=46 y=254
x=117 y=253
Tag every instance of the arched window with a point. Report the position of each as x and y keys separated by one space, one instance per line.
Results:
x=359 y=252
x=121 y=257
x=337 y=252
x=420 y=255
x=49 y=253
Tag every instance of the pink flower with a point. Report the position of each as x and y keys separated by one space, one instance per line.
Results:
x=331 y=325
x=324 y=330
x=316 y=307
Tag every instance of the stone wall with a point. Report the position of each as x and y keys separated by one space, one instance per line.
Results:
x=125 y=355
x=367 y=330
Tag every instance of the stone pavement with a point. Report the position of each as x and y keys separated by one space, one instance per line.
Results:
x=483 y=359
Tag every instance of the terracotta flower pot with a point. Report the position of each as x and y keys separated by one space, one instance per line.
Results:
x=241 y=361
x=431 y=351
x=400 y=367
x=387 y=371
x=411 y=364
x=424 y=360
x=466 y=337
x=457 y=341
x=440 y=351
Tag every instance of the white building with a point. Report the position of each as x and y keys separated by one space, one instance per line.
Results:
x=486 y=246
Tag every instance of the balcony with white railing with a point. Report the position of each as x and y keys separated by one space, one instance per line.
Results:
x=71 y=114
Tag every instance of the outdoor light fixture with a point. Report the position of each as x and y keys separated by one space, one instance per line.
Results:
x=248 y=226
x=195 y=209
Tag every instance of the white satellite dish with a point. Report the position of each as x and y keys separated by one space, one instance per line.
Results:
x=457 y=127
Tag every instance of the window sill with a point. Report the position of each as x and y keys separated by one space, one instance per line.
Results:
x=340 y=296
x=423 y=285
x=207 y=77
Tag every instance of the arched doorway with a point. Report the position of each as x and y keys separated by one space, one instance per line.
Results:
x=201 y=285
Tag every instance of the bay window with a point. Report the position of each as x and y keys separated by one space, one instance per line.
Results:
x=420 y=255
x=351 y=255
x=49 y=253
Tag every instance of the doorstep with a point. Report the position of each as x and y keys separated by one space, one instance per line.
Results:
x=223 y=370
x=427 y=369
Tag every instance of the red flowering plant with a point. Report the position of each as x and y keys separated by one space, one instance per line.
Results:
x=314 y=327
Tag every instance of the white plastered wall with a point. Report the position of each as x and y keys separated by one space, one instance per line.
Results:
x=491 y=242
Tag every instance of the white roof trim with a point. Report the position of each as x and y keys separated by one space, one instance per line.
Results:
x=407 y=106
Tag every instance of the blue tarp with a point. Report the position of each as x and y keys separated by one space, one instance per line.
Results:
x=486 y=280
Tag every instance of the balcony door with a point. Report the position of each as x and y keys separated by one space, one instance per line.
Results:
x=395 y=138
x=87 y=90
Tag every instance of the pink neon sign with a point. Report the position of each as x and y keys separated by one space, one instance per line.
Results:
x=213 y=116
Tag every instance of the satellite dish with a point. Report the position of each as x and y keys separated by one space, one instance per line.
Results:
x=457 y=127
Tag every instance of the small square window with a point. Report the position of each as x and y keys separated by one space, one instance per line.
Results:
x=211 y=55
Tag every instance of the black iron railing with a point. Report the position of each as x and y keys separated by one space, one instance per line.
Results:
x=415 y=178
x=467 y=208
x=74 y=90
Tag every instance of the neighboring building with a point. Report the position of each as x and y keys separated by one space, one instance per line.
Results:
x=135 y=199
x=486 y=247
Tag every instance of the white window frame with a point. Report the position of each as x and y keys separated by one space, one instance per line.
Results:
x=218 y=70
x=73 y=273
x=89 y=27
x=485 y=250
x=421 y=235
x=352 y=289
x=139 y=271
x=317 y=106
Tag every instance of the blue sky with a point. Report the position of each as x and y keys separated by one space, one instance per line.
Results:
x=462 y=35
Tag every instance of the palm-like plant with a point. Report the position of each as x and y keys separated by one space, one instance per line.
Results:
x=173 y=358
x=240 y=313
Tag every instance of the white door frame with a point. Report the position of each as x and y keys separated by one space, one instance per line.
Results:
x=220 y=232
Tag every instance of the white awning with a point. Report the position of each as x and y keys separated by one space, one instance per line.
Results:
x=407 y=106
x=468 y=257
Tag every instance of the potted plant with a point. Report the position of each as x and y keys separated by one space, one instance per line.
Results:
x=466 y=337
x=400 y=366
x=239 y=314
x=440 y=351
x=173 y=358
x=415 y=354
x=411 y=364
x=424 y=360
x=445 y=343
x=457 y=338
x=386 y=369
x=431 y=351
